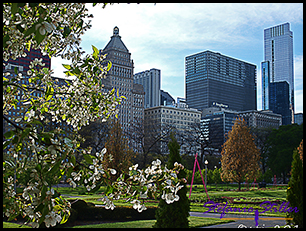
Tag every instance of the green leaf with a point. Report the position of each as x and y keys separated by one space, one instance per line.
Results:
x=55 y=168
x=39 y=37
x=49 y=93
x=5 y=39
x=67 y=31
x=30 y=30
x=68 y=67
x=88 y=158
x=95 y=52
x=43 y=192
x=9 y=134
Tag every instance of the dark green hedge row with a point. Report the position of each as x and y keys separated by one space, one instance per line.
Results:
x=82 y=211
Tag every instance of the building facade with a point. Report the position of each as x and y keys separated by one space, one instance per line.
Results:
x=215 y=78
x=163 y=119
x=120 y=77
x=279 y=100
x=166 y=98
x=278 y=53
x=261 y=119
x=217 y=121
x=150 y=79
x=23 y=62
x=298 y=118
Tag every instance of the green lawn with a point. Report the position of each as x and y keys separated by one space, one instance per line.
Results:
x=13 y=225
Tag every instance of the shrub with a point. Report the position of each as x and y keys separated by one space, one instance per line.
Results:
x=88 y=212
x=174 y=215
x=295 y=190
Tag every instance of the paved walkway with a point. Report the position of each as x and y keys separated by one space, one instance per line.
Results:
x=242 y=221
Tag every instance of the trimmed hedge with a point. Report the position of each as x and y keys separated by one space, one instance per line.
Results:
x=89 y=212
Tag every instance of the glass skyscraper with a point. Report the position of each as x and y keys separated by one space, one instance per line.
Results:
x=150 y=79
x=278 y=55
x=216 y=79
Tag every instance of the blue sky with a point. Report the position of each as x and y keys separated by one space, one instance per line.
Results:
x=162 y=35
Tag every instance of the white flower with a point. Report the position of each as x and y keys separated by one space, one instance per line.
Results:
x=108 y=203
x=136 y=204
x=52 y=218
x=43 y=27
x=113 y=171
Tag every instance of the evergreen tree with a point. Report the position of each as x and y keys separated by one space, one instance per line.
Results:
x=295 y=190
x=174 y=215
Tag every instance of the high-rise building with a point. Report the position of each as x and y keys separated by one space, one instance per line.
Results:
x=150 y=79
x=279 y=100
x=265 y=84
x=213 y=78
x=166 y=98
x=120 y=77
x=278 y=56
x=23 y=62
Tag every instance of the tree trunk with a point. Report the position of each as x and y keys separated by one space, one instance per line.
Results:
x=239 y=184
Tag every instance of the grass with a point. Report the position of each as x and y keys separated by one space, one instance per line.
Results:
x=13 y=225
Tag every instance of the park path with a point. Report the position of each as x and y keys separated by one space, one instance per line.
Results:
x=263 y=222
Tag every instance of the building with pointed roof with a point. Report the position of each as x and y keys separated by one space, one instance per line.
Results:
x=120 y=77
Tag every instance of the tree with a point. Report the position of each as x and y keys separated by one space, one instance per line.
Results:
x=295 y=190
x=216 y=177
x=261 y=137
x=240 y=156
x=300 y=149
x=282 y=142
x=118 y=155
x=174 y=215
x=55 y=29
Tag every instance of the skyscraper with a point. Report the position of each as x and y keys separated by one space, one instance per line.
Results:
x=23 y=63
x=120 y=77
x=279 y=100
x=150 y=79
x=213 y=78
x=278 y=53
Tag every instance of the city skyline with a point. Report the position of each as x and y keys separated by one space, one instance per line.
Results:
x=161 y=36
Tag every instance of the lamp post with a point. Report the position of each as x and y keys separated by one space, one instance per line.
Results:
x=206 y=163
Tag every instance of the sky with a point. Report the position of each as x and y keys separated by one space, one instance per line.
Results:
x=161 y=36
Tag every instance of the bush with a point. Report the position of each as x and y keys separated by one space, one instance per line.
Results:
x=174 y=215
x=295 y=190
x=89 y=212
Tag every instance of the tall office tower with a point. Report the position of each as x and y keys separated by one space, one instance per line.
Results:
x=150 y=79
x=212 y=78
x=265 y=84
x=278 y=52
x=279 y=100
x=23 y=62
x=120 y=77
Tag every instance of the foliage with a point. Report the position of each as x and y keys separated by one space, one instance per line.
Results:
x=240 y=156
x=216 y=177
x=48 y=155
x=295 y=189
x=174 y=215
x=300 y=149
x=282 y=142
x=119 y=154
